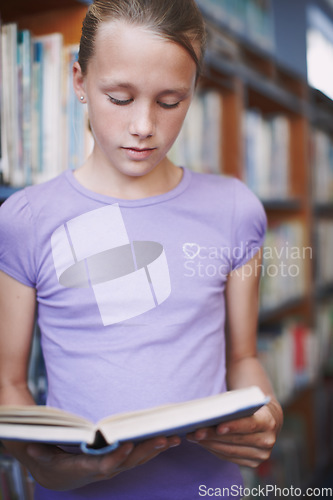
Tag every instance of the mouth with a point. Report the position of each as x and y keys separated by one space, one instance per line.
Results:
x=139 y=150
x=138 y=153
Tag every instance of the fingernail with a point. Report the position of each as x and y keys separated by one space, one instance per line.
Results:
x=201 y=435
x=160 y=446
x=192 y=440
x=223 y=431
x=129 y=449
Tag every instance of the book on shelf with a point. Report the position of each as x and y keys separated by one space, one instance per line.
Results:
x=45 y=424
x=290 y=355
x=267 y=154
x=198 y=145
x=286 y=258
x=24 y=67
x=260 y=23
x=324 y=331
x=252 y=19
x=322 y=162
x=323 y=252
x=50 y=106
x=323 y=397
x=37 y=110
x=16 y=71
x=77 y=137
x=44 y=129
x=11 y=169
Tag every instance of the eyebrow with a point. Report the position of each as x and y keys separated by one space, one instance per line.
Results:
x=180 y=90
x=130 y=86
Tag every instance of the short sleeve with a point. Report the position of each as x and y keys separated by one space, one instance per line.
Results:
x=17 y=239
x=249 y=225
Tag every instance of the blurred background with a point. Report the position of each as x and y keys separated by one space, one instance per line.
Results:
x=263 y=112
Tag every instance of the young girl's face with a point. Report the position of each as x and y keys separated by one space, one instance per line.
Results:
x=138 y=88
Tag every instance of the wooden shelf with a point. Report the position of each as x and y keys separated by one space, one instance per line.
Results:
x=324 y=291
x=224 y=26
x=293 y=205
x=45 y=17
x=12 y=10
x=270 y=92
x=323 y=209
x=292 y=307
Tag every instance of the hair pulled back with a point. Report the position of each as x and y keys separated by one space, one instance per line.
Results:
x=179 y=21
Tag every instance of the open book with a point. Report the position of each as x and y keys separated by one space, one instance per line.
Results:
x=51 y=425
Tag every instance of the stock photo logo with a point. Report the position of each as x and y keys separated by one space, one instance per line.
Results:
x=283 y=260
x=204 y=261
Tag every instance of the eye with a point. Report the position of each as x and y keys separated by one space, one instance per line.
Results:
x=119 y=102
x=169 y=106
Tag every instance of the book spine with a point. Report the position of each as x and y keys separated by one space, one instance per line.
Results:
x=267 y=154
x=290 y=355
x=324 y=330
x=285 y=263
x=324 y=249
x=198 y=145
x=25 y=53
x=252 y=19
x=10 y=138
x=322 y=161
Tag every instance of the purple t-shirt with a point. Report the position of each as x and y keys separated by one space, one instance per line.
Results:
x=131 y=306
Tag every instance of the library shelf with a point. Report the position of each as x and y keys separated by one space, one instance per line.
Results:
x=232 y=26
x=324 y=291
x=323 y=209
x=248 y=77
x=290 y=308
x=291 y=205
x=269 y=90
x=11 y=11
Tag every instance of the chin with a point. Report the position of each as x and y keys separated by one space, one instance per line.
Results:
x=137 y=171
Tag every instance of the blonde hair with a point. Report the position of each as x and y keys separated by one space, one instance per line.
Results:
x=179 y=21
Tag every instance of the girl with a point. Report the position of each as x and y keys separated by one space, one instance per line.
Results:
x=115 y=254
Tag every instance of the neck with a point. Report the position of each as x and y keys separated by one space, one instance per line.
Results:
x=103 y=179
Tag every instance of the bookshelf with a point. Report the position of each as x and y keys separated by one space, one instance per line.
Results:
x=242 y=74
x=20 y=9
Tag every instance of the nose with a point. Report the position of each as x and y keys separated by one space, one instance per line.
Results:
x=142 y=120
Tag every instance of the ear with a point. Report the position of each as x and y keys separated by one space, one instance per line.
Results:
x=79 y=82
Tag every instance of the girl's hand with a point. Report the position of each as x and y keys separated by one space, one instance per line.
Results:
x=56 y=469
x=247 y=441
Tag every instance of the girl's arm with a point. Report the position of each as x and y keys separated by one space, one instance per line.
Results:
x=17 y=313
x=247 y=441
x=50 y=466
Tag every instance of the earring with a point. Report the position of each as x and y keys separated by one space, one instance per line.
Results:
x=82 y=98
